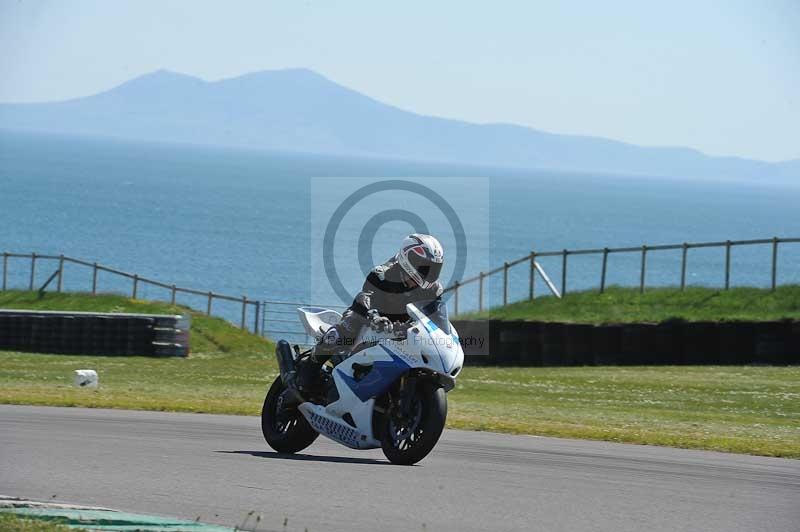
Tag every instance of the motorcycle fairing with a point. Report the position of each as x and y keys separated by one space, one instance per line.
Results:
x=382 y=374
x=317 y=320
x=426 y=346
x=336 y=429
x=357 y=399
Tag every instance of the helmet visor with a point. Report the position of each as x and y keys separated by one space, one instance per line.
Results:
x=428 y=270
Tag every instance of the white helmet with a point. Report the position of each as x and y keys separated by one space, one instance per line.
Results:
x=421 y=257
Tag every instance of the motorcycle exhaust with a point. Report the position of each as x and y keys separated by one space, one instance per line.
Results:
x=286 y=363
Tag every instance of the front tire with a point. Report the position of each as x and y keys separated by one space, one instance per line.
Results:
x=284 y=429
x=406 y=441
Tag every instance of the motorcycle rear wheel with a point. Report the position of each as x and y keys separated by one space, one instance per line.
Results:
x=406 y=441
x=284 y=429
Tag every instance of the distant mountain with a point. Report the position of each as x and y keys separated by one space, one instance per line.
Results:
x=300 y=110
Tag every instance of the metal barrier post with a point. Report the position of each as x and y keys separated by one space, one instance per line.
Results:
x=480 y=292
x=208 y=307
x=644 y=266
x=5 y=270
x=135 y=286
x=244 y=312
x=505 y=283
x=33 y=269
x=263 y=318
x=532 y=277
x=727 y=264
x=172 y=298
x=685 y=248
x=60 y=272
x=603 y=271
x=564 y=272
x=774 y=262
x=455 y=299
x=94 y=279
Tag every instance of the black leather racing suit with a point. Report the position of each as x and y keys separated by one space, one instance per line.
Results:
x=385 y=290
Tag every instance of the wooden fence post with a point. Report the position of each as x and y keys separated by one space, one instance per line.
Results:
x=244 y=312
x=532 y=279
x=257 y=317
x=94 y=279
x=505 y=283
x=683 y=265
x=564 y=272
x=33 y=269
x=480 y=292
x=774 y=262
x=644 y=267
x=603 y=271
x=60 y=272
x=727 y=264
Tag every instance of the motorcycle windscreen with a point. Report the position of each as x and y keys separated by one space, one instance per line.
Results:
x=436 y=311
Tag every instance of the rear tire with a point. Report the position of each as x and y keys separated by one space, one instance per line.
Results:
x=406 y=442
x=285 y=429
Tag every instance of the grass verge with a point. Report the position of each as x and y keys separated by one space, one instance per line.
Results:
x=11 y=523
x=741 y=409
x=627 y=305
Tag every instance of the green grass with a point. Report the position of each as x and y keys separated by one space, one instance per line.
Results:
x=11 y=523
x=739 y=409
x=627 y=305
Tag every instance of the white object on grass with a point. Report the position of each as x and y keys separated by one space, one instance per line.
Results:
x=86 y=378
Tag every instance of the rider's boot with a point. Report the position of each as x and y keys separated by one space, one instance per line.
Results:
x=308 y=375
x=309 y=371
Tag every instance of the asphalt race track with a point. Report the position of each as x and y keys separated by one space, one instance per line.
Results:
x=218 y=468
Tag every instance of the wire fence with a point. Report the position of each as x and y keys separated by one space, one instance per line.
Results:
x=643 y=252
x=202 y=301
x=273 y=318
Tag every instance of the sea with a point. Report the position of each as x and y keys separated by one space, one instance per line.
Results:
x=258 y=223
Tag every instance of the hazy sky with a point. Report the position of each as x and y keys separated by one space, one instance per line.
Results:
x=721 y=76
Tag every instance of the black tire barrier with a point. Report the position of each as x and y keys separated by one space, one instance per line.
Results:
x=668 y=343
x=736 y=342
x=607 y=345
x=531 y=349
x=474 y=338
x=772 y=342
x=638 y=344
x=701 y=343
x=82 y=333
x=579 y=345
x=553 y=344
x=793 y=341
x=512 y=338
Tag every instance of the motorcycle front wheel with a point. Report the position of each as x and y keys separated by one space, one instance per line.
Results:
x=408 y=438
x=285 y=429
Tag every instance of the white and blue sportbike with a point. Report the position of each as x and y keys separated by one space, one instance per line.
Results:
x=388 y=393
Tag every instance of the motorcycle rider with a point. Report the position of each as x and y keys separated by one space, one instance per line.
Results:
x=411 y=275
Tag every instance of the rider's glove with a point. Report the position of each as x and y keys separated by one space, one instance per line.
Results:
x=379 y=323
x=400 y=328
